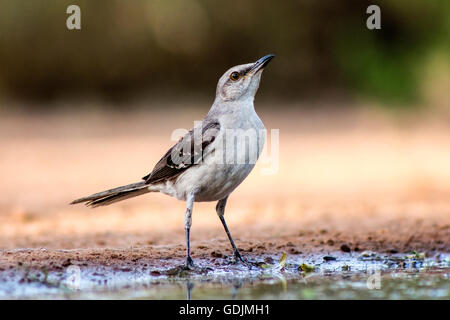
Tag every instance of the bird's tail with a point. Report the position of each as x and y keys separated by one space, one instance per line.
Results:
x=107 y=197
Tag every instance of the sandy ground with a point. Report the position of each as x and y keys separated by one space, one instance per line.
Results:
x=353 y=181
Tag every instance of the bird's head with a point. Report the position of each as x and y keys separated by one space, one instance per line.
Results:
x=241 y=82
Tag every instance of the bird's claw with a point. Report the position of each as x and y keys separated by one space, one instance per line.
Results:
x=237 y=258
x=189 y=264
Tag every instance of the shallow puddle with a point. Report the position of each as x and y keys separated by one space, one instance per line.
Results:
x=337 y=276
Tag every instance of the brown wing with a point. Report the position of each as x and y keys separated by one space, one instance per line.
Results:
x=188 y=151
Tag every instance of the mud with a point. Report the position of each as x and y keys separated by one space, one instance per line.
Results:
x=338 y=275
x=351 y=195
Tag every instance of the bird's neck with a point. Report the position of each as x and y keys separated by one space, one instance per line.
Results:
x=221 y=107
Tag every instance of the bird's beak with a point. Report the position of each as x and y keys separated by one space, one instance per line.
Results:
x=261 y=63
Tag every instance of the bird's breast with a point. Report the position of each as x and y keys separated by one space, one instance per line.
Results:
x=227 y=161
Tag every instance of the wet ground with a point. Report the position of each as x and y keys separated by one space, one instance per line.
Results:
x=365 y=275
x=354 y=198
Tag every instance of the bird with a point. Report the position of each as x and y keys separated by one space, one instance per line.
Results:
x=211 y=160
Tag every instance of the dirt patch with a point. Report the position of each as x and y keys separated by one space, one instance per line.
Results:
x=396 y=236
x=371 y=185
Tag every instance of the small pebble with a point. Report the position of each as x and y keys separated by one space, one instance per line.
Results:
x=216 y=254
x=269 y=260
x=329 y=258
x=368 y=254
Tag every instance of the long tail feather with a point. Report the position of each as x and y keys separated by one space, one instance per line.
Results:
x=114 y=195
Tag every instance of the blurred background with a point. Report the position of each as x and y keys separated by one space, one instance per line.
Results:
x=364 y=115
x=131 y=48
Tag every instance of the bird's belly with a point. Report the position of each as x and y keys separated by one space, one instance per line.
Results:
x=211 y=182
x=221 y=172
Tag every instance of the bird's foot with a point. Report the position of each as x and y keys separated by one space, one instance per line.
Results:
x=189 y=264
x=238 y=258
x=188 y=267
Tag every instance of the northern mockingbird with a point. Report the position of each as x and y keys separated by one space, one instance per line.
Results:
x=213 y=158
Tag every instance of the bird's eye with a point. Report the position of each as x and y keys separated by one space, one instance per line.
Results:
x=235 y=76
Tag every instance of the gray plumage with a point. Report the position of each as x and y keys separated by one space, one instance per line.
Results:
x=213 y=158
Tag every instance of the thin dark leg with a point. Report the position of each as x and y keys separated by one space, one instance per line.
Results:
x=189 y=261
x=187 y=227
x=236 y=252
x=220 y=208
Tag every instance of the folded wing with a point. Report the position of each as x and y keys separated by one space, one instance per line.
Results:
x=187 y=152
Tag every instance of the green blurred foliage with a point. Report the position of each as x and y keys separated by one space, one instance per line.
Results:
x=181 y=47
x=389 y=64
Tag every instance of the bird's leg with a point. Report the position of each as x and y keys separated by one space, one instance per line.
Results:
x=220 y=209
x=187 y=225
